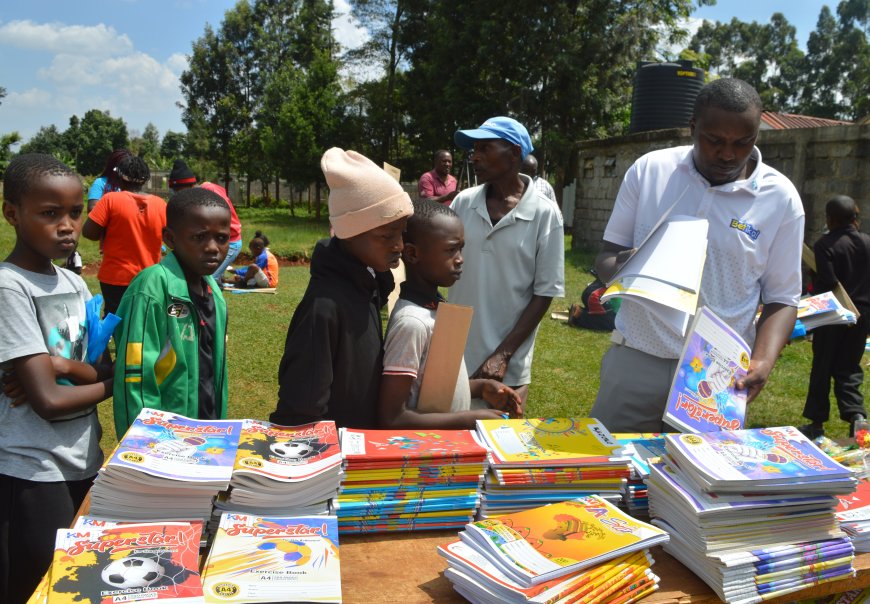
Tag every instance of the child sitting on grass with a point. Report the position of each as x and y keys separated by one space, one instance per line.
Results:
x=170 y=342
x=50 y=435
x=333 y=355
x=263 y=272
x=433 y=258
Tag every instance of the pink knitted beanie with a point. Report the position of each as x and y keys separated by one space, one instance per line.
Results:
x=362 y=196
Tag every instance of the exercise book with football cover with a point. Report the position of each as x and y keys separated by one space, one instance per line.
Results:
x=127 y=563
x=269 y=452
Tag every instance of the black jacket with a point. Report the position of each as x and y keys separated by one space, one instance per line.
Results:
x=333 y=356
x=844 y=255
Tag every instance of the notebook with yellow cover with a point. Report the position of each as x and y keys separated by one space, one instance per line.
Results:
x=567 y=441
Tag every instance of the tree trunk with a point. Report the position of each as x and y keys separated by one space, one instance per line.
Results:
x=248 y=191
x=317 y=188
x=391 y=83
x=277 y=188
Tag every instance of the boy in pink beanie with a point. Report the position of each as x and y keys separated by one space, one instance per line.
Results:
x=333 y=355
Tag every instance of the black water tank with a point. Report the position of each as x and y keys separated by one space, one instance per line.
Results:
x=664 y=94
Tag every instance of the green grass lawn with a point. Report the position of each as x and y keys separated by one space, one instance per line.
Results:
x=565 y=370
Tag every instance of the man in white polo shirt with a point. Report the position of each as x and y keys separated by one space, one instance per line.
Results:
x=756 y=223
x=514 y=254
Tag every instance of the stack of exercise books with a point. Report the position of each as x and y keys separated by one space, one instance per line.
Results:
x=405 y=480
x=853 y=512
x=640 y=448
x=534 y=462
x=273 y=559
x=126 y=562
x=166 y=467
x=583 y=550
x=284 y=470
x=751 y=512
x=823 y=309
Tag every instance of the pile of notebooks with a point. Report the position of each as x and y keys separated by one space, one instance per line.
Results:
x=584 y=550
x=99 y=561
x=823 y=309
x=406 y=480
x=166 y=467
x=640 y=448
x=273 y=559
x=853 y=512
x=534 y=462
x=751 y=512
x=284 y=470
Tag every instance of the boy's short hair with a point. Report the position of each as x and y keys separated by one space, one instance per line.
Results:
x=26 y=169
x=425 y=211
x=730 y=94
x=182 y=202
x=841 y=210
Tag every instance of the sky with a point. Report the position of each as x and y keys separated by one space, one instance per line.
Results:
x=60 y=58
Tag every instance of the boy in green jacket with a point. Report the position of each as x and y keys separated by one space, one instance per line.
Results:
x=170 y=342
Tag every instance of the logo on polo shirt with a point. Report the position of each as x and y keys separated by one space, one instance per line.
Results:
x=745 y=227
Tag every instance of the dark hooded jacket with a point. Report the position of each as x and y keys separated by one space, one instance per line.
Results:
x=333 y=356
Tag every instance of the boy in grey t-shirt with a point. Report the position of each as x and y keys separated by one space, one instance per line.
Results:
x=433 y=258
x=49 y=433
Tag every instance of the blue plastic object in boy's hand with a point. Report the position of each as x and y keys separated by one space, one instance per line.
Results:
x=799 y=330
x=99 y=330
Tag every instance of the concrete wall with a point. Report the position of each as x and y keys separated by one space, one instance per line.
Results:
x=819 y=161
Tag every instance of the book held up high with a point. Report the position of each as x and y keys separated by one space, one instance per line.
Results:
x=704 y=396
x=664 y=274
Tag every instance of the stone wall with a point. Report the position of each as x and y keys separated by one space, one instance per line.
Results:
x=819 y=161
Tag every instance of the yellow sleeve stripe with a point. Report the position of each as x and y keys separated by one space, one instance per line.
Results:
x=133 y=378
x=134 y=353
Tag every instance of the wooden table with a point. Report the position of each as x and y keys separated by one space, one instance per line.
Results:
x=401 y=567
x=406 y=568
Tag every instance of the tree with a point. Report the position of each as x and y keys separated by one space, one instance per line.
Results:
x=173 y=145
x=302 y=100
x=765 y=55
x=47 y=140
x=564 y=69
x=389 y=23
x=853 y=52
x=149 y=148
x=820 y=95
x=91 y=139
x=213 y=95
x=7 y=141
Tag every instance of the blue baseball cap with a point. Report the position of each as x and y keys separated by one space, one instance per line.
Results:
x=496 y=127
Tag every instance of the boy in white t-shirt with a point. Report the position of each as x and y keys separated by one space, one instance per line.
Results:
x=50 y=436
x=433 y=258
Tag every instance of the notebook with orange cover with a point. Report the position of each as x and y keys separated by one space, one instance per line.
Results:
x=555 y=540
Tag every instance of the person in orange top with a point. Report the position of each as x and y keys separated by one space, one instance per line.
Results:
x=263 y=272
x=131 y=226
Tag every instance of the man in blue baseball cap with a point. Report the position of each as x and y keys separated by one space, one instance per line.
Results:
x=514 y=254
